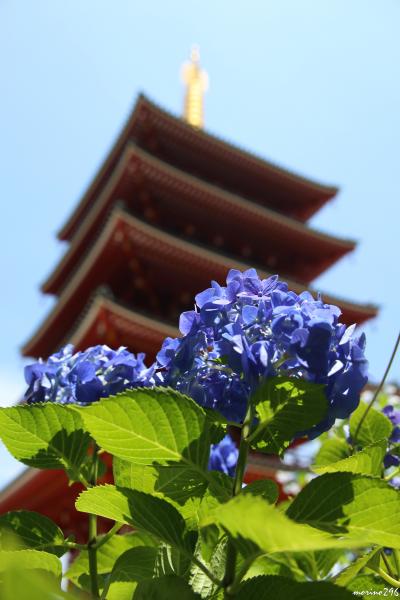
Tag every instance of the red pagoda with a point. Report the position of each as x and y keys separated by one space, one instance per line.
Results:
x=171 y=208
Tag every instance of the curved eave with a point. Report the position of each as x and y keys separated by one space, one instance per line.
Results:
x=145 y=109
x=320 y=250
x=106 y=321
x=152 y=246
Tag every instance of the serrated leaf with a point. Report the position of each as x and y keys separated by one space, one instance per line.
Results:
x=332 y=450
x=374 y=428
x=286 y=407
x=281 y=588
x=177 y=483
x=346 y=576
x=30 y=530
x=364 y=509
x=274 y=565
x=199 y=581
x=264 y=488
x=30 y=559
x=165 y=588
x=135 y=564
x=107 y=554
x=46 y=436
x=372 y=583
x=368 y=461
x=151 y=426
x=264 y=528
x=140 y=510
x=317 y=565
x=191 y=492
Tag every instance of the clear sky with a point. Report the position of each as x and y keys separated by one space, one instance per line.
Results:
x=311 y=84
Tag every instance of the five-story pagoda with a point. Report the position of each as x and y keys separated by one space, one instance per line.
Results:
x=171 y=208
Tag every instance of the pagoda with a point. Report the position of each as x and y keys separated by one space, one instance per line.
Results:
x=171 y=208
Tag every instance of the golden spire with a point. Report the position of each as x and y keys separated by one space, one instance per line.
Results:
x=196 y=81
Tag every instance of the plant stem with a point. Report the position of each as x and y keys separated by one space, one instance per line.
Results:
x=92 y=542
x=244 y=447
x=388 y=578
x=392 y=474
x=378 y=390
x=108 y=535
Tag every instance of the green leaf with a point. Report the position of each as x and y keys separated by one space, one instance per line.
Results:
x=135 y=564
x=177 y=483
x=363 y=509
x=188 y=490
x=372 y=583
x=107 y=554
x=21 y=583
x=317 y=565
x=199 y=581
x=140 y=510
x=264 y=488
x=280 y=588
x=45 y=436
x=368 y=461
x=286 y=407
x=374 y=428
x=30 y=530
x=276 y=564
x=30 y=559
x=151 y=426
x=170 y=561
x=254 y=520
x=165 y=588
x=346 y=576
x=331 y=451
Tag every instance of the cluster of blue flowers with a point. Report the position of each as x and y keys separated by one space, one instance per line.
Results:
x=256 y=328
x=84 y=377
x=224 y=456
x=391 y=459
x=238 y=335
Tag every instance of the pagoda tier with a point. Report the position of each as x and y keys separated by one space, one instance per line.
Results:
x=150 y=270
x=108 y=322
x=181 y=204
x=209 y=158
x=48 y=492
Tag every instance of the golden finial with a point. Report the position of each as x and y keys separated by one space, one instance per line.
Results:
x=196 y=81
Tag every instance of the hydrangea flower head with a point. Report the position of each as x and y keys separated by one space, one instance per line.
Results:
x=253 y=328
x=224 y=456
x=84 y=377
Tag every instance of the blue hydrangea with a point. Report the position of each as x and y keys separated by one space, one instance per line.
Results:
x=256 y=328
x=391 y=459
x=224 y=456
x=84 y=377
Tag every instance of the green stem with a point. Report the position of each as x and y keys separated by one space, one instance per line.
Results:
x=385 y=560
x=396 y=561
x=388 y=578
x=108 y=535
x=244 y=447
x=242 y=572
x=378 y=390
x=92 y=541
x=392 y=474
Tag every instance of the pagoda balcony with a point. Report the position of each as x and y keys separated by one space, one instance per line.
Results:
x=208 y=158
x=148 y=269
x=182 y=204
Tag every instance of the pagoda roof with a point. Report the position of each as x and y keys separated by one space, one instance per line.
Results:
x=169 y=261
x=306 y=251
x=192 y=149
x=106 y=321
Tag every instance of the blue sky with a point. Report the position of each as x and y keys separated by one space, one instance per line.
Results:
x=310 y=84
